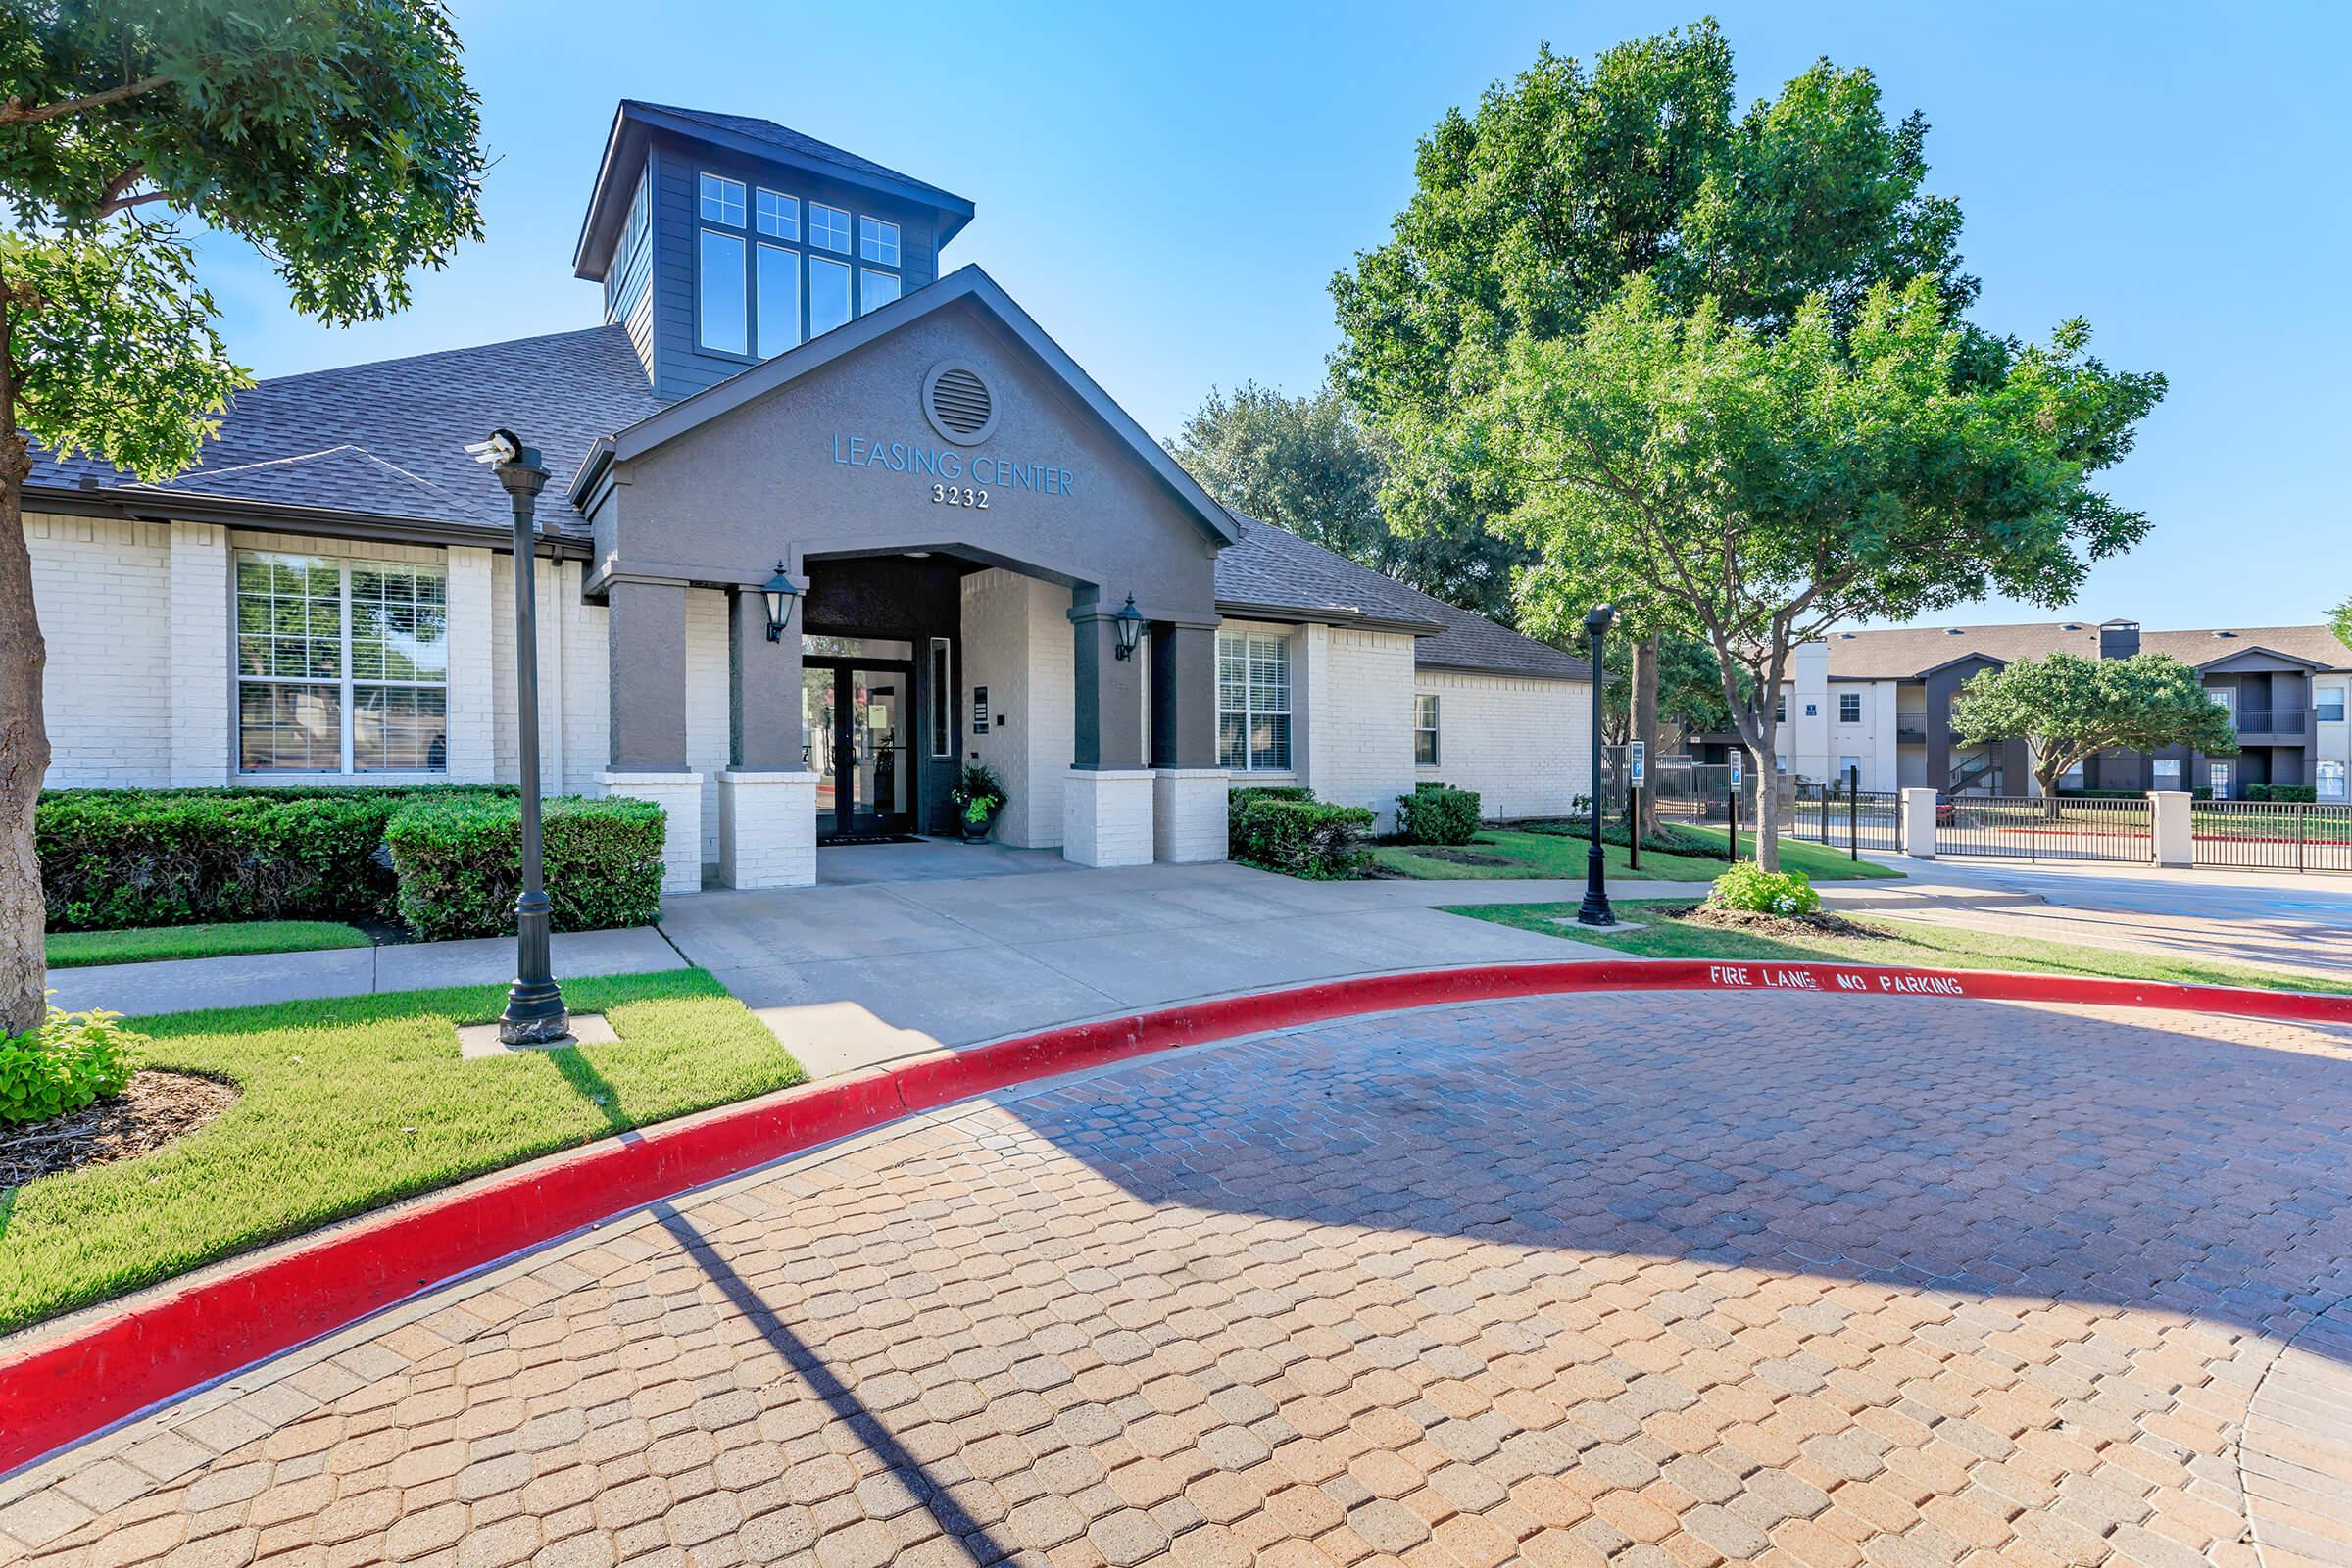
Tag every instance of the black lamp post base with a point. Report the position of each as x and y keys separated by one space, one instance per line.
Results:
x=535 y=1015
x=1596 y=910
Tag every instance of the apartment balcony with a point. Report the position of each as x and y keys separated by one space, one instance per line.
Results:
x=1909 y=731
x=2273 y=726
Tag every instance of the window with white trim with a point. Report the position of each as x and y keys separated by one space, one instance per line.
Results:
x=828 y=228
x=719 y=320
x=722 y=200
x=1253 y=702
x=1780 y=709
x=828 y=295
x=877 y=241
x=779 y=215
x=342 y=666
x=2328 y=703
x=1425 y=729
x=875 y=289
x=2330 y=779
x=1849 y=708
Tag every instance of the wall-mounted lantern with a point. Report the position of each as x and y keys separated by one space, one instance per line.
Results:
x=779 y=590
x=1128 y=624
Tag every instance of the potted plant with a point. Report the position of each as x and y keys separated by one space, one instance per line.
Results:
x=978 y=796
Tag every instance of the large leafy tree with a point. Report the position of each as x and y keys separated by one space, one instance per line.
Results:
x=2068 y=709
x=1767 y=486
x=336 y=136
x=1688 y=685
x=1309 y=465
x=1535 y=209
x=2340 y=618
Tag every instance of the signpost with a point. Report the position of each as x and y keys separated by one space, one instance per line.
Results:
x=1635 y=755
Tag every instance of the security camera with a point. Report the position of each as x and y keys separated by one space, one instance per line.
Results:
x=503 y=446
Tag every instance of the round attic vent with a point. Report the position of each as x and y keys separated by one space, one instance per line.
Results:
x=958 y=402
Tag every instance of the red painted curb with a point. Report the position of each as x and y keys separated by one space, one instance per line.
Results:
x=153 y=1347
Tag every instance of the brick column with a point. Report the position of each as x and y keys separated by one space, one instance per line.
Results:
x=1187 y=788
x=203 y=656
x=473 y=696
x=767 y=796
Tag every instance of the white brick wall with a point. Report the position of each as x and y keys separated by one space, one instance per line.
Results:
x=1188 y=815
x=1359 y=744
x=202 y=748
x=473 y=690
x=707 y=728
x=1526 y=746
x=1017 y=643
x=102 y=590
x=587 y=678
x=767 y=829
x=680 y=795
x=1106 y=816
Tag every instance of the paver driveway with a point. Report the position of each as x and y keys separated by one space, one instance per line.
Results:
x=1649 y=1279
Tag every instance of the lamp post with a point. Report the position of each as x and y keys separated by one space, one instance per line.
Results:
x=535 y=1012
x=1596 y=910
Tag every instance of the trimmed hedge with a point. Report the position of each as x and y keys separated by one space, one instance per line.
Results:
x=1437 y=814
x=1239 y=801
x=458 y=863
x=2285 y=793
x=1304 y=838
x=115 y=859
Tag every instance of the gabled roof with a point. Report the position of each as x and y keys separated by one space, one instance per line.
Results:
x=751 y=136
x=2315 y=646
x=1910 y=653
x=964 y=283
x=386 y=440
x=1276 y=573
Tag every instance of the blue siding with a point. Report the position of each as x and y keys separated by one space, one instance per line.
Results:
x=680 y=365
x=628 y=287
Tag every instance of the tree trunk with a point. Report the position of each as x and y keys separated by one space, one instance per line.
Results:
x=24 y=733
x=1644 y=705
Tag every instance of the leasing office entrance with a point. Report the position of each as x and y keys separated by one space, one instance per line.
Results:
x=858 y=706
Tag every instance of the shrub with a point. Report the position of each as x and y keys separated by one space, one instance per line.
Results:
x=2296 y=794
x=1438 y=814
x=111 y=859
x=1748 y=885
x=63 y=1063
x=1238 y=800
x=1305 y=838
x=458 y=863
x=978 y=794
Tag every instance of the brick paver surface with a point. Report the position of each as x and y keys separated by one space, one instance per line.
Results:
x=1642 y=1279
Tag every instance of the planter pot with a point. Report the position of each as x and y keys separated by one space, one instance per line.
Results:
x=977 y=832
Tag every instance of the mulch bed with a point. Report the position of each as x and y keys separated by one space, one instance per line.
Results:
x=1764 y=925
x=154 y=1108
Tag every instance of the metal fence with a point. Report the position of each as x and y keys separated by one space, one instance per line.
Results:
x=2033 y=828
x=1845 y=818
x=2273 y=835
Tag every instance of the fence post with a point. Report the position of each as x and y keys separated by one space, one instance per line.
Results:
x=1917 y=824
x=2171 y=828
x=1853 y=813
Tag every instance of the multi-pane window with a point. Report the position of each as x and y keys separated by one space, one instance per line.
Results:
x=1425 y=729
x=875 y=289
x=2328 y=703
x=779 y=215
x=722 y=200
x=828 y=294
x=877 y=241
x=720 y=320
x=2330 y=779
x=1253 y=702
x=1780 y=710
x=1849 y=708
x=828 y=228
x=342 y=666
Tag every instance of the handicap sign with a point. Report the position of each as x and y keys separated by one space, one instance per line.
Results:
x=1639 y=755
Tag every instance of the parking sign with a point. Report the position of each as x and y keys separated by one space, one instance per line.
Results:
x=1637 y=756
x=1734 y=756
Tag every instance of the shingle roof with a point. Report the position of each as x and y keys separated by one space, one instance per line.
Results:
x=796 y=144
x=1276 y=570
x=388 y=438
x=1907 y=652
x=2318 y=644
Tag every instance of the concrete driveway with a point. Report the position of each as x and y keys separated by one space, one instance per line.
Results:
x=870 y=965
x=1632 y=1280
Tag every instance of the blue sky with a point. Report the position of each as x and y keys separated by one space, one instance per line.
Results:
x=1169 y=190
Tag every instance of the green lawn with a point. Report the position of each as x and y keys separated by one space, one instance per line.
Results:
x=352 y=1102
x=1550 y=854
x=1898 y=942
x=74 y=950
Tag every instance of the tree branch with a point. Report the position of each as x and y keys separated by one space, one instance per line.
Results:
x=15 y=112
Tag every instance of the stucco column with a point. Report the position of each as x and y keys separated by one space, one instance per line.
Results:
x=767 y=796
x=2172 y=819
x=646 y=644
x=1917 y=823
x=1107 y=801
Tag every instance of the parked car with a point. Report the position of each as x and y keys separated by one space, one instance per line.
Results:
x=1947 y=813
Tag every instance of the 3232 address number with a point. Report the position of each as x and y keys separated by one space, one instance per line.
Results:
x=946 y=495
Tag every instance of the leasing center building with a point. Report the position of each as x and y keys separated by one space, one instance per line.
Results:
x=785 y=380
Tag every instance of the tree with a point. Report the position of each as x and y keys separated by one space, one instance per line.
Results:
x=1690 y=687
x=1309 y=466
x=2068 y=709
x=1764 y=487
x=337 y=136
x=1566 y=183
x=2340 y=618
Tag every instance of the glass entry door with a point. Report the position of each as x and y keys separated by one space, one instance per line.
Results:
x=853 y=728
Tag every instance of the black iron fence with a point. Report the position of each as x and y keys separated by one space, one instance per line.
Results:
x=1845 y=818
x=2273 y=835
x=2041 y=828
